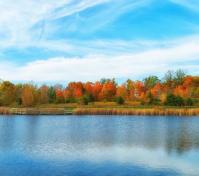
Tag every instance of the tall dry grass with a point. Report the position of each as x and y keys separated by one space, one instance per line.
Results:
x=4 y=110
x=156 y=111
x=148 y=112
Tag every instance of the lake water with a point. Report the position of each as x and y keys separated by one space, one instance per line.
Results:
x=98 y=145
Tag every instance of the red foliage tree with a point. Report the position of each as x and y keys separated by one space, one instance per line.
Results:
x=122 y=91
x=108 y=91
x=97 y=87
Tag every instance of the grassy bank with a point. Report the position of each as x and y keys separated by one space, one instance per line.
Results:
x=35 y=111
x=99 y=109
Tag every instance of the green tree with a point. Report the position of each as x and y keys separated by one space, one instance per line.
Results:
x=168 y=78
x=189 y=102
x=51 y=95
x=84 y=100
x=120 y=100
x=151 y=100
x=179 y=77
x=151 y=81
x=19 y=88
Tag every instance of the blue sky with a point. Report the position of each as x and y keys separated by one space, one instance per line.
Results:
x=72 y=40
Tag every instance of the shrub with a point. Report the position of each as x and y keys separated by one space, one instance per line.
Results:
x=189 y=102
x=119 y=100
x=173 y=100
x=70 y=100
x=84 y=100
x=152 y=100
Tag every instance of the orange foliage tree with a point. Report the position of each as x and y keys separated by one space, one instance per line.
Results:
x=28 y=95
x=150 y=90
x=108 y=91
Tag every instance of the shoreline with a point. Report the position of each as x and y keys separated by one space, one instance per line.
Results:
x=156 y=111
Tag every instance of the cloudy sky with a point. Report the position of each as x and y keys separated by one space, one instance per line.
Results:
x=71 y=40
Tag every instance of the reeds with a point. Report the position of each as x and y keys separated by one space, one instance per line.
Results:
x=147 y=111
x=155 y=111
x=4 y=110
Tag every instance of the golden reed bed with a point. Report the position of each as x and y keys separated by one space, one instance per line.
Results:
x=159 y=111
x=148 y=112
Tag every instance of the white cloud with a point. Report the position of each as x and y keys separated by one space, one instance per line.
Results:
x=17 y=19
x=120 y=59
x=183 y=53
x=121 y=154
x=23 y=23
x=75 y=7
x=103 y=16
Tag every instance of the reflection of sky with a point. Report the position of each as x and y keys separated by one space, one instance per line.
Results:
x=154 y=143
x=148 y=158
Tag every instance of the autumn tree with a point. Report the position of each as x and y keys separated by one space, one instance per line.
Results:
x=97 y=87
x=108 y=90
x=7 y=93
x=88 y=87
x=156 y=90
x=130 y=86
x=122 y=91
x=150 y=99
x=74 y=91
x=28 y=95
x=139 y=90
x=176 y=88
x=88 y=91
x=43 y=94
x=181 y=91
x=195 y=87
x=59 y=95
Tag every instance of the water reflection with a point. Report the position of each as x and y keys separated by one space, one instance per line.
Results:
x=172 y=134
x=139 y=142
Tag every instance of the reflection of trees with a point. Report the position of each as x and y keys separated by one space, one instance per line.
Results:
x=173 y=134
x=182 y=135
x=15 y=131
x=7 y=132
x=31 y=130
x=87 y=131
x=183 y=142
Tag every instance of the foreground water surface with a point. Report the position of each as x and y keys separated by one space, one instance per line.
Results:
x=98 y=145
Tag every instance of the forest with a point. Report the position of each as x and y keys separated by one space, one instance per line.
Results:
x=175 y=89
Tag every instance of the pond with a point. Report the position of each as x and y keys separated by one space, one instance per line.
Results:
x=98 y=145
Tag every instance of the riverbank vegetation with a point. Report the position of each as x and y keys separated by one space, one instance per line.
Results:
x=157 y=111
x=175 y=89
x=85 y=110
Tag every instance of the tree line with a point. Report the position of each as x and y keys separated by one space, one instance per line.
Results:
x=175 y=89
